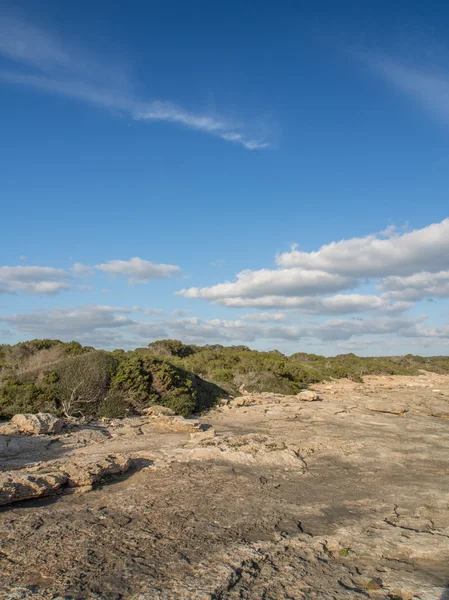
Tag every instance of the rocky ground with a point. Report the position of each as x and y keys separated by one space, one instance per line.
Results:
x=267 y=497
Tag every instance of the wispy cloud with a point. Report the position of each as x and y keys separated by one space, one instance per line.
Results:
x=23 y=42
x=55 y=67
x=426 y=84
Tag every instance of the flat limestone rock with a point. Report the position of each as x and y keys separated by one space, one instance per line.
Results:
x=248 y=449
x=255 y=399
x=174 y=423
x=38 y=424
x=392 y=408
x=15 y=486
x=278 y=498
x=308 y=396
x=83 y=474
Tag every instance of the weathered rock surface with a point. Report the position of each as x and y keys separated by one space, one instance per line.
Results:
x=15 y=487
x=35 y=482
x=85 y=474
x=265 y=497
x=41 y=423
x=251 y=449
x=8 y=428
x=157 y=410
x=383 y=406
x=308 y=396
x=174 y=423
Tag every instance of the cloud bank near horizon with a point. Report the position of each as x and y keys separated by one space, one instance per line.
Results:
x=321 y=294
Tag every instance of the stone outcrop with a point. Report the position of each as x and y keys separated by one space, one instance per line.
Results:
x=250 y=449
x=16 y=486
x=38 y=424
x=157 y=411
x=307 y=396
x=267 y=398
x=86 y=474
x=175 y=423
x=268 y=497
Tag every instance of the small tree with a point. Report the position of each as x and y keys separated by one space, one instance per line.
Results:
x=72 y=405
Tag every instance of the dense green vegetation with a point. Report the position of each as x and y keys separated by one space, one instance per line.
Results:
x=67 y=378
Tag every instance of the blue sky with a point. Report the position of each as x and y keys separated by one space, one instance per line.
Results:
x=273 y=174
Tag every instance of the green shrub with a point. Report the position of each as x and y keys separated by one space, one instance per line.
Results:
x=49 y=377
x=50 y=374
x=25 y=397
x=132 y=379
x=75 y=348
x=114 y=406
x=225 y=375
x=169 y=348
x=208 y=393
x=36 y=345
x=266 y=381
x=181 y=404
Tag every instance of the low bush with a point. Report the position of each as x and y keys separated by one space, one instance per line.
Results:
x=60 y=377
x=132 y=380
x=181 y=404
x=114 y=406
x=265 y=381
x=18 y=396
x=169 y=348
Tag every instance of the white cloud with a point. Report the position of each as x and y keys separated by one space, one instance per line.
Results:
x=167 y=111
x=222 y=330
x=345 y=329
x=69 y=322
x=424 y=249
x=148 y=311
x=265 y=317
x=139 y=270
x=338 y=304
x=110 y=326
x=102 y=338
x=80 y=270
x=197 y=330
x=69 y=72
x=179 y=312
x=277 y=282
x=357 y=345
x=308 y=281
x=417 y=286
x=33 y=280
x=49 y=280
x=352 y=303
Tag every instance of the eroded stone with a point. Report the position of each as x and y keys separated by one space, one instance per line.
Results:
x=38 y=424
